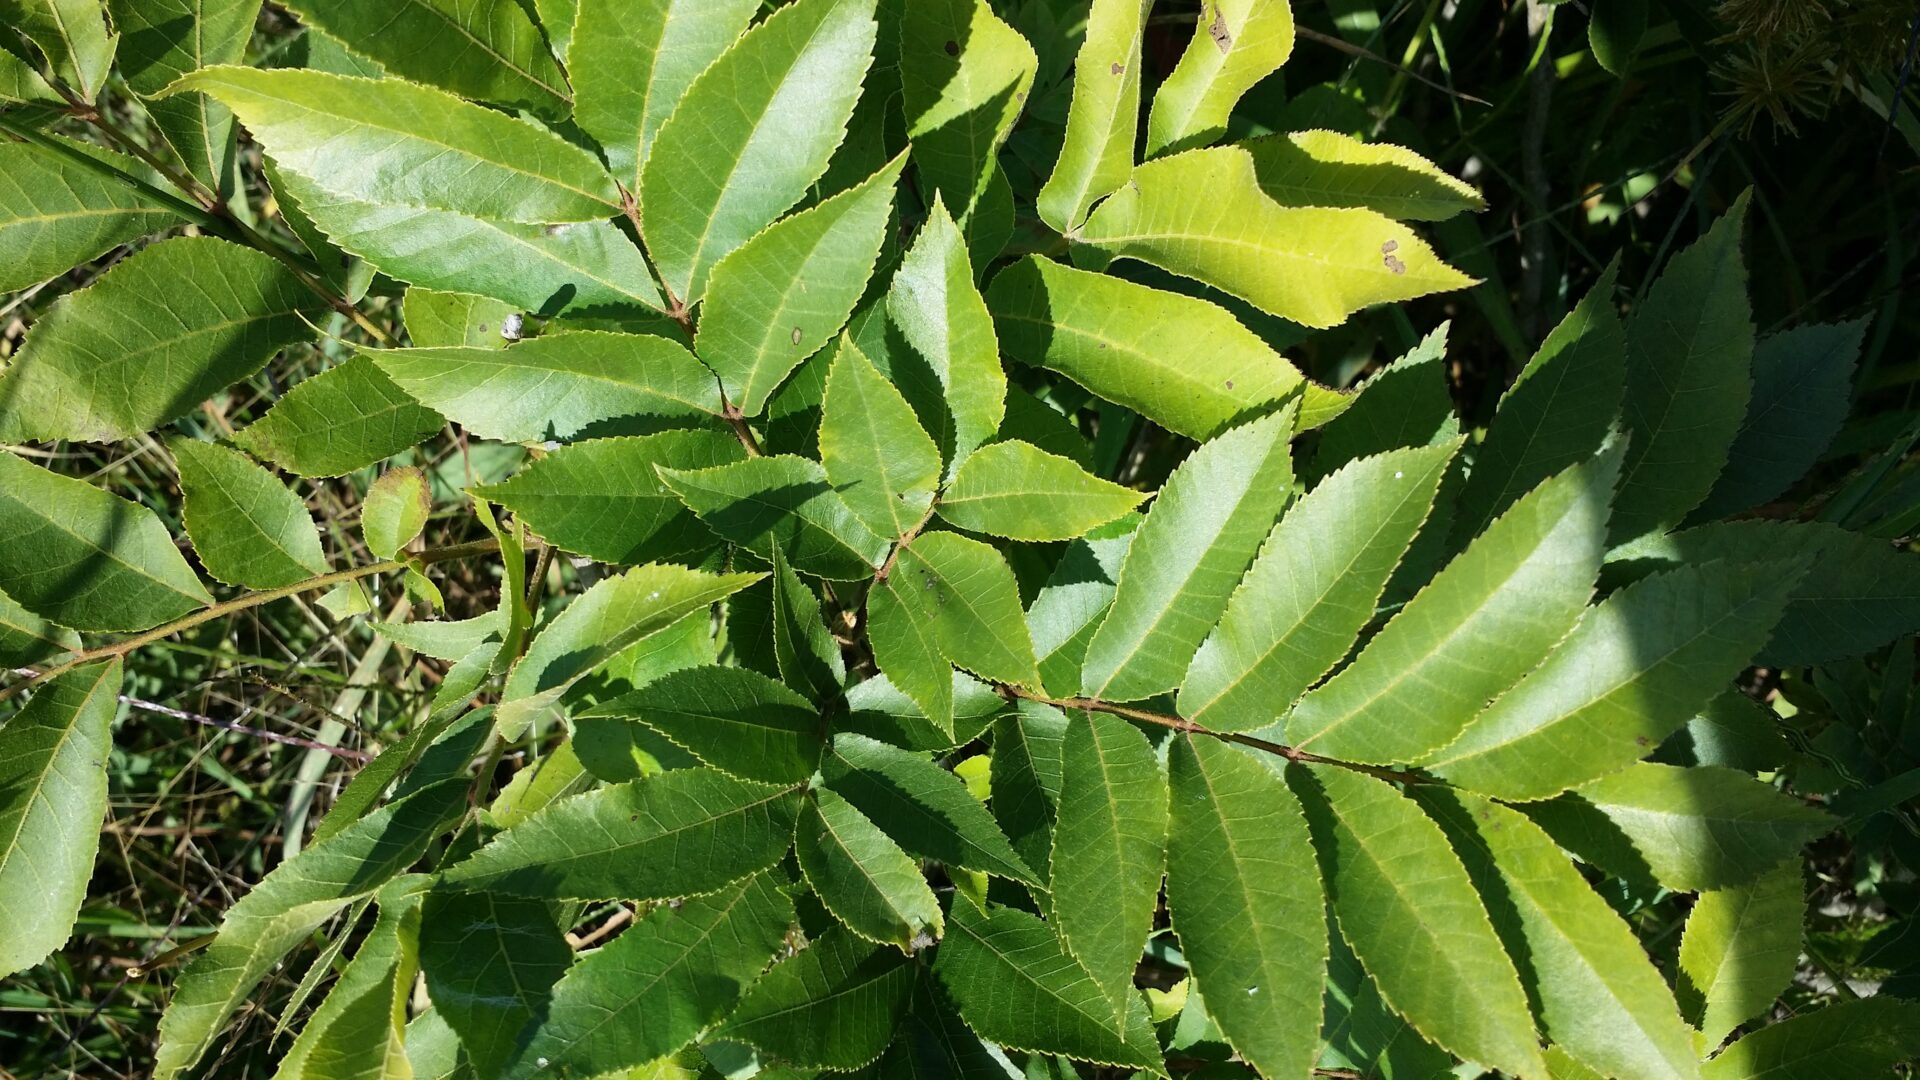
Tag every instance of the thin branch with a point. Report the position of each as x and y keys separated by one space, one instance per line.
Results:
x=250 y=600
x=905 y=539
x=1179 y=723
x=242 y=729
x=1351 y=49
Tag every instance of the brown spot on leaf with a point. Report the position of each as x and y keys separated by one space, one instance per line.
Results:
x=1119 y=68
x=1217 y=30
x=1229 y=384
x=1395 y=265
x=1389 y=247
x=796 y=335
x=953 y=48
x=1642 y=741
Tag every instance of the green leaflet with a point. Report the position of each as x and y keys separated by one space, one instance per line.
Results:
x=1740 y=950
x=1068 y=610
x=26 y=638
x=53 y=793
x=1045 y=426
x=1018 y=987
x=396 y=510
x=603 y=622
x=634 y=63
x=960 y=103
x=876 y=454
x=20 y=84
x=952 y=374
x=1854 y=1038
x=751 y=133
x=785 y=502
x=776 y=299
x=287 y=906
x=972 y=605
x=86 y=559
x=1802 y=385
x=588 y=268
x=934 y=1041
x=136 y=349
x=1403 y=404
x=1109 y=848
x=1481 y=624
x=1361 y=1032
x=1327 y=168
x=165 y=39
x=878 y=709
x=1614 y=32
x=367 y=140
x=654 y=987
x=923 y=807
x=805 y=653
x=491 y=961
x=56 y=211
x=246 y=526
x=604 y=498
x=1632 y=672
x=435 y=319
x=1016 y=490
x=682 y=833
x=343 y=419
x=1689 y=829
x=1314 y=265
x=554 y=387
x=1600 y=997
x=1557 y=413
x=906 y=645
x=491 y=52
x=1312 y=589
x=1202 y=532
x=358 y=1030
x=1689 y=351
x=1104 y=119
x=1182 y=362
x=1235 y=44
x=862 y=876
x=1025 y=778
x=1858 y=593
x=73 y=35
x=1406 y=905
x=1246 y=900
x=734 y=719
x=834 y=1005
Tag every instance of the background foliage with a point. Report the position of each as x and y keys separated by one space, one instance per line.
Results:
x=351 y=299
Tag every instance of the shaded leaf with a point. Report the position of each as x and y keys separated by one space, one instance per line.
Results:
x=247 y=528
x=1853 y=1038
x=833 y=1005
x=862 y=876
x=344 y=418
x=1246 y=900
x=72 y=34
x=358 y=1030
x=491 y=961
x=968 y=594
x=1018 y=987
x=804 y=649
x=492 y=52
x=554 y=387
x=86 y=559
x=57 y=212
x=134 y=350
x=1405 y=904
x=964 y=76
x=1327 y=168
x=1740 y=949
x=53 y=794
x=604 y=497
x=682 y=833
x=785 y=502
x=1016 y=490
x=925 y=808
x=653 y=988
x=734 y=719
x=26 y=638
x=953 y=378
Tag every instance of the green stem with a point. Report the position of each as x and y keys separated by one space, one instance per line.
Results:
x=242 y=603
